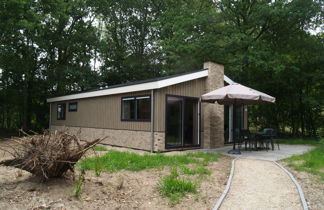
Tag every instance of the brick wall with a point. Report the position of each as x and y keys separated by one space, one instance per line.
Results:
x=213 y=114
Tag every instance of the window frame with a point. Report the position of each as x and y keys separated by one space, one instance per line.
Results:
x=135 y=108
x=73 y=103
x=57 y=111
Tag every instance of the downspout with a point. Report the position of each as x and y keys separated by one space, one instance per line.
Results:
x=199 y=118
x=230 y=123
x=50 y=116
x=245 y=117
x=152 y=121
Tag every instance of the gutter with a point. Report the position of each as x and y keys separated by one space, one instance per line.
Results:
x=152 y=120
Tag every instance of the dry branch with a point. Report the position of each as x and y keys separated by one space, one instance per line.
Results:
x=47 y=155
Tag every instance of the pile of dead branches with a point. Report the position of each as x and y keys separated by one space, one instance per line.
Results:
x=47 y=155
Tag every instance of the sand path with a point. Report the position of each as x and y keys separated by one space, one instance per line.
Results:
x=259 y=184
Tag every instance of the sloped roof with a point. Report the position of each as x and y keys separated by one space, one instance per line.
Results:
x=151 y=84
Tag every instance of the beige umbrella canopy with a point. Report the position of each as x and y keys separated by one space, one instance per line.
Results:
x=237 y=94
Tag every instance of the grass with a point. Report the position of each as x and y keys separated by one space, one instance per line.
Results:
x=114 y=161
x=175 y=188
x=311 y=161
x=100 y=148
x=78 y=186
x=299 y=141
x=207 y=157
x=194 y=171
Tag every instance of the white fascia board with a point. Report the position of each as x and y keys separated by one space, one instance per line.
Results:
x=184 y=78
x=112 y=91
x=228 y=80
x=133 y=88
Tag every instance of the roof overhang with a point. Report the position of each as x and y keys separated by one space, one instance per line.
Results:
x=228 y=80
x=137 y=87
x=133 y=88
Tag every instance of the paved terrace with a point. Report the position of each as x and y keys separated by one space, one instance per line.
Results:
x=284 y=152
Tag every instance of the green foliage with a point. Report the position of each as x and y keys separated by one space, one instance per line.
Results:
x=312 y=161
x=194 y=171
x=78 y=186
x=51 y=48
x=299 y=141
x=45 y=50
x=100 y=148
x=175 y=188
x=207 y=157
x=275 y=54
x=171 y=186
x=114 y=161
x=97 y=167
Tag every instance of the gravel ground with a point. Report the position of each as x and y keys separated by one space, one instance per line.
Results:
x=261 y=184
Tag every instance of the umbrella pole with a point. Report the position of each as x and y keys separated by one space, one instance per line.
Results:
x=234 y=151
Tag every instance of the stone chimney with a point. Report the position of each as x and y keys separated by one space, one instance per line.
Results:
x=213 y=114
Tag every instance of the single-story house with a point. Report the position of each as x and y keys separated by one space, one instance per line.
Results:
x=158 y=115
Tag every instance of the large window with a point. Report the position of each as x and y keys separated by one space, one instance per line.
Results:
x=61 y=111
x=137 y=108
x=128 y=108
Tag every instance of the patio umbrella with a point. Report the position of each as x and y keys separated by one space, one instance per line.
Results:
x=237 y=94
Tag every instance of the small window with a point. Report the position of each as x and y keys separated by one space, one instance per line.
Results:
x=136 y=108
x=73 y=107
x=61 y=111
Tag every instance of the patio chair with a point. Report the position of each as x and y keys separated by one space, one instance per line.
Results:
x=268 y=138
x=238 y=140
x=246 y=138
x=274 y=140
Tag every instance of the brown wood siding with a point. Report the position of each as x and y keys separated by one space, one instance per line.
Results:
x=99 y=112
x=105 y=111
x=194 y=88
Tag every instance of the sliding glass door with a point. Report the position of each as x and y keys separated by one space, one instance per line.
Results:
x=229 y=121
x=181 y=121
x=174 y=122
x=190 y=122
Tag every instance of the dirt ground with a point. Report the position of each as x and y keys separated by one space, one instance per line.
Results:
x=19 y=190
x=312 y=187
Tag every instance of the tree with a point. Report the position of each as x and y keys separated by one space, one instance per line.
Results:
x=267 y=48
x=51 y=48
x=46 y=50
x=129 y=41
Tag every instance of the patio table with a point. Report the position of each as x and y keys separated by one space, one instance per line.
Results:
x=261 y=137
x=255 y=138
